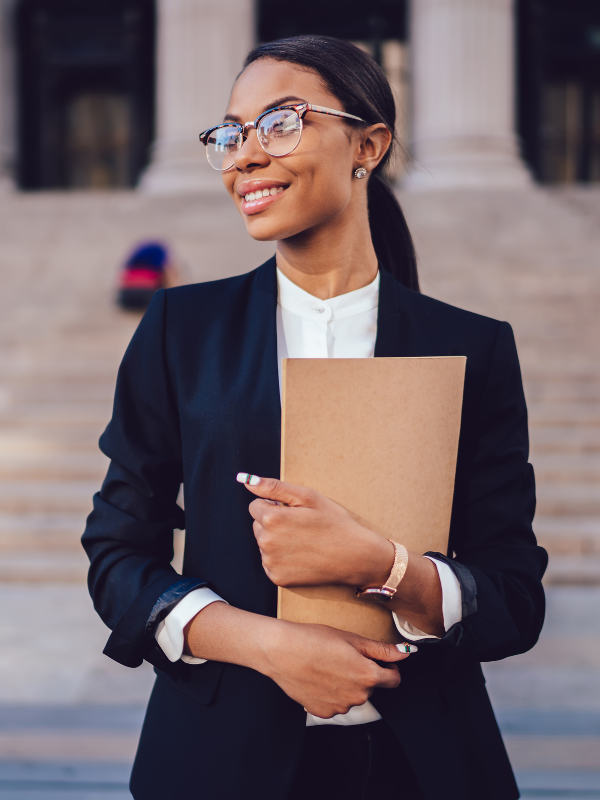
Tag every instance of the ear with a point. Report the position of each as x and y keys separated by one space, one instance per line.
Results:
x=374 y=143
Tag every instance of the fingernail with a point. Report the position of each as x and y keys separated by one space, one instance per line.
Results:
x=249 y=480
x=404 y=647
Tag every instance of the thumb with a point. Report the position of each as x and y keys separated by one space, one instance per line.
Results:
x=382 y=651
x=273 y=489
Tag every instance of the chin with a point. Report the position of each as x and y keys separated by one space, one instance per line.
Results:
x=265 y=230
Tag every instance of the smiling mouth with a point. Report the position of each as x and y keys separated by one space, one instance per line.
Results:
x=261 y=199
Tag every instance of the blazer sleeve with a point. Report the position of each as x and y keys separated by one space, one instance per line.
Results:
x=497 y=560
x=129 y=534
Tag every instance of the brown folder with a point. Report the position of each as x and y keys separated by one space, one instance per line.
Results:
x=380 y=437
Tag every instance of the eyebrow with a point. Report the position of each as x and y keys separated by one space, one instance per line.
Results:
x=281 y=101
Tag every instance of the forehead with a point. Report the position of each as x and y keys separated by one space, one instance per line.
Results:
x=266 y=80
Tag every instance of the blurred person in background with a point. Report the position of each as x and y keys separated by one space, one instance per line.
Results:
x=244 y=704
x=148 y=269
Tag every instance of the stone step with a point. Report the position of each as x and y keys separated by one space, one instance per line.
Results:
x=50 y=566
x=51 y=496
x=581 y=414
x=44 y=366
x=565 y=570
x=53 y=466
x=52 y=435
x=564 y=439
x=567 y=467
x=35 y=392
x=58 y=413
x=28 y=531
x=555 y=390
x=577 y=499
x=568 y=535
x=59 y=564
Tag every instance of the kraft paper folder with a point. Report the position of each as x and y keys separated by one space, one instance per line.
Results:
x=380 y=437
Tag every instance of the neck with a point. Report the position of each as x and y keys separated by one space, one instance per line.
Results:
x=330 y=260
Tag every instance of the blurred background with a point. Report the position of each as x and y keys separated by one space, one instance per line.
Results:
x=101 y=103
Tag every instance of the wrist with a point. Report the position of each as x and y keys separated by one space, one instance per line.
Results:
x=377 y=559
x=268 y=641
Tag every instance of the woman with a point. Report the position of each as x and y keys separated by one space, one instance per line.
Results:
x=245 y=704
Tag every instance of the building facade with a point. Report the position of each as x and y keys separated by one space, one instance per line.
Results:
x=113 y=93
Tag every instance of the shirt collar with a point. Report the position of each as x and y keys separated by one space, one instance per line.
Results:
x=294 y=299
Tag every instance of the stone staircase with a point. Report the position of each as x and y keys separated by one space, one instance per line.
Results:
x=50 y=466
x=531 y=258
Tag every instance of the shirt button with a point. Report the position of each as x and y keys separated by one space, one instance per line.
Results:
x=319 y=309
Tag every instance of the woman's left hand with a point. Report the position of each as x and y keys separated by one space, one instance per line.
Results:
x=311 y=540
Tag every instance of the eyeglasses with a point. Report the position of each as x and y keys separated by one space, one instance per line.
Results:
x=278 y=130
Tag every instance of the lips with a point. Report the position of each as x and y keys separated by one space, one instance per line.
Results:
x=259 y=195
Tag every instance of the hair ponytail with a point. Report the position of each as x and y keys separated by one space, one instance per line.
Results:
x=391 y=238
x=363 y=90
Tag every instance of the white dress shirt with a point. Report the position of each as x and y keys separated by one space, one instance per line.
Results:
x=341 y=327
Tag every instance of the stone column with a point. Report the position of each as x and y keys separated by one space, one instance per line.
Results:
x=200 y=50
x=7 y=96
x=463 y=83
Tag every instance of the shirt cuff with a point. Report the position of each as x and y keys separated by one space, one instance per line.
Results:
x=451 y=604
x=169 y=632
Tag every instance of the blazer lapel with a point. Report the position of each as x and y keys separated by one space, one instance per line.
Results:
x=265 y=300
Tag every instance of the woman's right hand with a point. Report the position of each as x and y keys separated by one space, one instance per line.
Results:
x=326 y=670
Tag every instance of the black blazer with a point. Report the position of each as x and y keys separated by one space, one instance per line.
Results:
x=197 y=400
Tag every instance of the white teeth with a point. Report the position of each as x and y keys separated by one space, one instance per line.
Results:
x=263 y=193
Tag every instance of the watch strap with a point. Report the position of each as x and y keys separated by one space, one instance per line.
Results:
x=388 y=590
x=398 y=569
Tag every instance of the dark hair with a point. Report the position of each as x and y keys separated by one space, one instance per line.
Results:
x=363 y=90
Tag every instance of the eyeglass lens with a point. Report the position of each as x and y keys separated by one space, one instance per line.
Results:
x=278 y=134
x=222 y=145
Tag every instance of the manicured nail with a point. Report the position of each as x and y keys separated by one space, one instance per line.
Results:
x=404 y=647
x=249 y=480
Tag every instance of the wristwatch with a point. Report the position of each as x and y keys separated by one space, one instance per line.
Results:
x=388 y=590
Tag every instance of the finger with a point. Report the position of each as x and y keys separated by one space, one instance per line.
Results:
x=388 y=678
x=258 y=508
x=258 y=529
x=273 y=489
x=382 y=651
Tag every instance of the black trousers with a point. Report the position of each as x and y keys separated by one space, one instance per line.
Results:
x=356 y=762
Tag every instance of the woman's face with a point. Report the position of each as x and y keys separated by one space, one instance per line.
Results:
x=316 y=178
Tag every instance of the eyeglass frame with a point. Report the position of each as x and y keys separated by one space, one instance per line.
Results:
x=301 y=110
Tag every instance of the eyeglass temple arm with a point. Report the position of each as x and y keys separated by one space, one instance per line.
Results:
x=323 y=110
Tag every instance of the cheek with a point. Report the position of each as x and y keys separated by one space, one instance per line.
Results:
x=228 y=179
x=325 y=174
x=320 y=190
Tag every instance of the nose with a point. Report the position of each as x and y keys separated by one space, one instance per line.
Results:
x=250 y=155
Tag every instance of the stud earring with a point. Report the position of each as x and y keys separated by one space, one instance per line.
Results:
x=360 y=172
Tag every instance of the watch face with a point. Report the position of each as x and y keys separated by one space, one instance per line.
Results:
x=373 y=595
